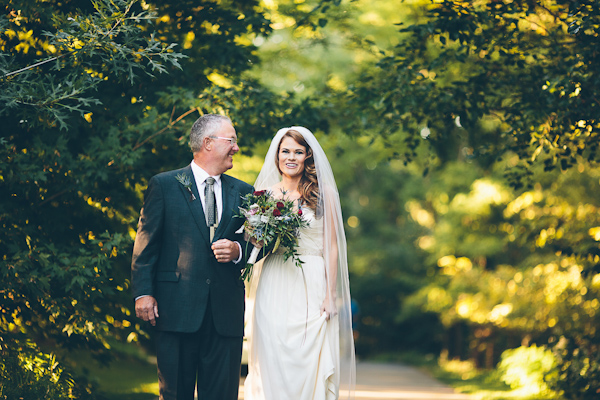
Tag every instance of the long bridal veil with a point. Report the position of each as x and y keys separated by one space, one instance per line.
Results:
x=334 y=243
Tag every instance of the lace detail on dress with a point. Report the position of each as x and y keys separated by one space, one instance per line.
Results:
x=304 y=252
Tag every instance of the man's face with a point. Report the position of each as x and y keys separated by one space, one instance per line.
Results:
x=223 y=149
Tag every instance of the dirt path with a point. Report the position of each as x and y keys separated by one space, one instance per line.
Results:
x=376 y=381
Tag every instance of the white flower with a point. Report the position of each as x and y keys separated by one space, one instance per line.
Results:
x=255 y=220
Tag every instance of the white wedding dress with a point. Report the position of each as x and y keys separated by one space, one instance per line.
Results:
x=293 y=349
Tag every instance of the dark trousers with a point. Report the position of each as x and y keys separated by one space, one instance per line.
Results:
x=205 y=357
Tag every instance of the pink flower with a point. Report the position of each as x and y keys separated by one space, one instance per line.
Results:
x=300 y=212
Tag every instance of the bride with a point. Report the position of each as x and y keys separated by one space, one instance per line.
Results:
x=299 y=323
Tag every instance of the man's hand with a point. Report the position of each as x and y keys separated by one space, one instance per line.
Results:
x=225 y=250
x=146 y=308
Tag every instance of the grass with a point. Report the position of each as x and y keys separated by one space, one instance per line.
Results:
x=130 y=376
x=465 y=378
x=127 y=379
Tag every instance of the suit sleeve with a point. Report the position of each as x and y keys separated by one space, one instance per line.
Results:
x=146 y=249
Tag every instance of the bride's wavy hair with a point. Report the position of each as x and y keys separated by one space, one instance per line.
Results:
x=308 y=186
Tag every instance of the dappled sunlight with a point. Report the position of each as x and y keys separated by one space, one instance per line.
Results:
x=500 y=312
x=523 y=201
x=219 y=80
x=472 y=307
x=353 y=221
x=438 y=299
x=147 y=388
x=595 y=233
x=484 y=193
x=525 y=369
x=557 y=281
x=372 y=18
x=426 y=242
x=246 y=168
x=451 y=265
x=465 y=369
x=419 y=214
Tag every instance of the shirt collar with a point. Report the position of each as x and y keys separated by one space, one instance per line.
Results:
x=201 y=174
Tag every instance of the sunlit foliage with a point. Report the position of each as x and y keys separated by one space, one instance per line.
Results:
x=485 y=77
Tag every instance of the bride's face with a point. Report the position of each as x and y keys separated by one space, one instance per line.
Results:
x=291 y=157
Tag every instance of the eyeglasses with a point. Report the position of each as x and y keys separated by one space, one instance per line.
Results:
x=232 y=141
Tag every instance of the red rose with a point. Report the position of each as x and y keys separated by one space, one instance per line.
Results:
x=280 y=205
x=276 y=212
x=259 y=192
x=300 y=212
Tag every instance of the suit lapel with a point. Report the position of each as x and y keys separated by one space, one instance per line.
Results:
x=195 y=205
x=228 y=194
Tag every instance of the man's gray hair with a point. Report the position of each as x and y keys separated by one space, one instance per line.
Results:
x=206 y=125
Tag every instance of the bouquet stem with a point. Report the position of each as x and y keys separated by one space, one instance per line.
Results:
x=253 y=255
x=247 y=273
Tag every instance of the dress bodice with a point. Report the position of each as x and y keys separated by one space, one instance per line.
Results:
x=310 y=241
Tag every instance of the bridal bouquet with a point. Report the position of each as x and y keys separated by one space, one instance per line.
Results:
x=274 y=223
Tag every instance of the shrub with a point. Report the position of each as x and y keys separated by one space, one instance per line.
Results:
x=526 y=368
x=578 y=367
x=29 y=374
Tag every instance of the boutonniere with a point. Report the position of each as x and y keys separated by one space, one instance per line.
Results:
x=187 y=183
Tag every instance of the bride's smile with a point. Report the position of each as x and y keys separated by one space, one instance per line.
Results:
x=291 y=158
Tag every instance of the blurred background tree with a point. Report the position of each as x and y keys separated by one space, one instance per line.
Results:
x=504 y=95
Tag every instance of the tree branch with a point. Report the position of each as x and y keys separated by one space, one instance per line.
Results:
x=32 y=66
x=169 y=125
x=49 y=199
x=117 y=23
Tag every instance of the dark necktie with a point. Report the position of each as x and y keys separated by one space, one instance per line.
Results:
x=211 y=205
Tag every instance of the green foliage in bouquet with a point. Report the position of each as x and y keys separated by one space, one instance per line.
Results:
x=273 y=222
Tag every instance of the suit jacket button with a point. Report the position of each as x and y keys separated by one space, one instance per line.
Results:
x=208 y=281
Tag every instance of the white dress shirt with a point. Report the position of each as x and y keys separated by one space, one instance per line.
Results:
x=200 y=176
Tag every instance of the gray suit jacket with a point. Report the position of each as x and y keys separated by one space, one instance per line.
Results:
x=172 y=259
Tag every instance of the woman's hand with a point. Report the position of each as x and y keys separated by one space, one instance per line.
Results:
x=329 y=308
x=256 y=243
x=253 y=241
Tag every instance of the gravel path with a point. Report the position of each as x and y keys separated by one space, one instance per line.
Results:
x=376 y=381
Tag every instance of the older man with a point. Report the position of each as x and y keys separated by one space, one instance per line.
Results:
x=185 y=268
